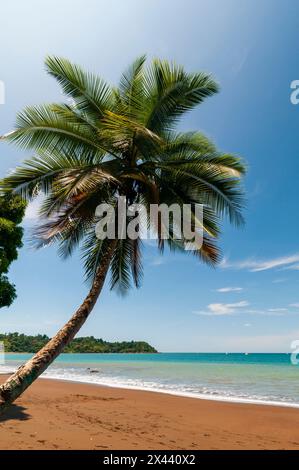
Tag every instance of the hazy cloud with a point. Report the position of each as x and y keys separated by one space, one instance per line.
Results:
x=275 y=310
x=218 y=309
x=253 y=265
x=294 y=267
x=230 y=289
x=157 y=261
x=32 y=210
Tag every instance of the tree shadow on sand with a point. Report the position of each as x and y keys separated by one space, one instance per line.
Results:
x=16 y=412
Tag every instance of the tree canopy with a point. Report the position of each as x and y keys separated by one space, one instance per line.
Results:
x=18 y=342
x=106 y=142
x=12 y=209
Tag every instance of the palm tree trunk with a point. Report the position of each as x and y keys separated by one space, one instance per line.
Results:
x=31 y=370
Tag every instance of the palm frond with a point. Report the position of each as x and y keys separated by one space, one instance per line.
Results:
x=93 y=250
x=171 y=92
x=126 y=265
x=131 y=89
x=89 y=92
x=215 y=187
x=40 y=128
x=39 y=172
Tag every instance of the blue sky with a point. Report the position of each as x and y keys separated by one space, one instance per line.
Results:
x=249 y=303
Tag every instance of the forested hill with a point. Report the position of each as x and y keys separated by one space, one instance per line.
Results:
x=17 y=342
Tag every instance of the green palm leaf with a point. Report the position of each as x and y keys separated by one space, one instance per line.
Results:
x=89 y=92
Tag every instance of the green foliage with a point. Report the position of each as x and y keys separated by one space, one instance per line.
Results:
x=12 y=209
x=123 y=141
x=7 y=292
x=16 y=342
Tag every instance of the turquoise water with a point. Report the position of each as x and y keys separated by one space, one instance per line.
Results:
x=264 y=378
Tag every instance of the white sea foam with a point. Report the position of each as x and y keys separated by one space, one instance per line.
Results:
x=79 y=375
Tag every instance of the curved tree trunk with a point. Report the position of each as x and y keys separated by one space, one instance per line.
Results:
x=31 y=370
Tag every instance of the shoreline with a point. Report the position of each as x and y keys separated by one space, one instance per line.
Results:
x=59 y=414
x=219 y=398
x=207 y=397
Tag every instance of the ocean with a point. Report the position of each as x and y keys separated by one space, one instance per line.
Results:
x=253 y=378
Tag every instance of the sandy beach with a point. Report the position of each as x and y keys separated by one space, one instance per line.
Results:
x=63 y=415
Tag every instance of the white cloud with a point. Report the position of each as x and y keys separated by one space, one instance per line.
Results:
x=230 y=289
x=218 y=309
x=256 y=311
x=254 y=265
x=32 y=210
x=294 y=267
x=274 y=310
x=296 y=305
x=268 y=312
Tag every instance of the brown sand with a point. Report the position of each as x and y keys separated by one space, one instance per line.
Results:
x=63 y=415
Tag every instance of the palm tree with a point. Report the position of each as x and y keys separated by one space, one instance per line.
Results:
x=107 y=142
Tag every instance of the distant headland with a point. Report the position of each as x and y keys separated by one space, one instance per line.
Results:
x=18 y=342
